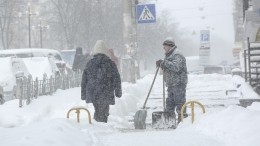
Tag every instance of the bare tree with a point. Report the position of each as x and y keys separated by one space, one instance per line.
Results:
x=82 y=22
x=68 y=15
x=6 y=19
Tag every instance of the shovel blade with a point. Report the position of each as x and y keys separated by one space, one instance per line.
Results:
x=163 y=120
x=139 y=119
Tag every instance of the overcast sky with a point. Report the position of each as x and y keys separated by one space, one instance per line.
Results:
x=194 y=15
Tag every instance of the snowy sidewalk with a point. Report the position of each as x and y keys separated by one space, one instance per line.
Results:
x=44 y=122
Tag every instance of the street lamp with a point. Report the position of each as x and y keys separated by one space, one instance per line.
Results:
x=29 y=14
x=41 y=28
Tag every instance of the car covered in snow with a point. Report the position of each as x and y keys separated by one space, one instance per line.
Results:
x=35 y=67
x=37 y=52
x=9 y=68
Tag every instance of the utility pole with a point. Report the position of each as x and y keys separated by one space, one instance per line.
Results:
x=41 y=27
x=28 y=14
x=134 y=38
x=127 y=24
x=41 y=32
x=129 y=62
x=29 y=24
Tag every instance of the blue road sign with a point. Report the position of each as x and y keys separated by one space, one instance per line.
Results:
x=145 y=13
x=204 y=36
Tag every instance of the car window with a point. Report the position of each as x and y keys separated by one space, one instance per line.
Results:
x=27 y=55
x=209 y=70
x=55 y=56
x=68 y=56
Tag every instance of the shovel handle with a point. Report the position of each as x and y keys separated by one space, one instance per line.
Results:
x=164 y=108
x=151 y=87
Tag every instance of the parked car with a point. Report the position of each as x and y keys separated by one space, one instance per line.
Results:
x=68 y=56
x=209 y=69
x=9 y=67
x=34 y=67
x=38 y=52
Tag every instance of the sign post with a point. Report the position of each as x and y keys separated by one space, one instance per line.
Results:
x=204 y=53
x=145 y=13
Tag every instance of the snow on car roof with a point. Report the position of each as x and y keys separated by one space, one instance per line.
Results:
x=35 y=51
x=31 y=52
x=68 y=51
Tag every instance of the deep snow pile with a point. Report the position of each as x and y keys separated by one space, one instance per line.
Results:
x=235 y=125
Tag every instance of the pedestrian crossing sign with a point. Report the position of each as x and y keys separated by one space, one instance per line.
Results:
x=145 y=13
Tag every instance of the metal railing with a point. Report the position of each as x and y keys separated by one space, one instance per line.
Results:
x=252 y=65
x=78 y=109
x=28 y=89
x=192 y=103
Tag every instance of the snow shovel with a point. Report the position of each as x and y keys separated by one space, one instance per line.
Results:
x=163 y=119
x=140 y=115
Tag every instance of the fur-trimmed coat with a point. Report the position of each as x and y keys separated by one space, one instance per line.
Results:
x=100 y=81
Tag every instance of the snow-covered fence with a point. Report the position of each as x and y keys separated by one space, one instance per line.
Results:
x=27 y=89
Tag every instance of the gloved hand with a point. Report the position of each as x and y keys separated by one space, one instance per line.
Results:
x=159 y=62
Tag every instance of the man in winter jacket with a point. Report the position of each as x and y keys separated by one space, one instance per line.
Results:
x=100 y=82
x=175 y=75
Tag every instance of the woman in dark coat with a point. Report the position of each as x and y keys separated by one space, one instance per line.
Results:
x=100 y=82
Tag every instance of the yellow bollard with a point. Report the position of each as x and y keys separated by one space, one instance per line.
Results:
x=77 y=109
x=192 y=103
